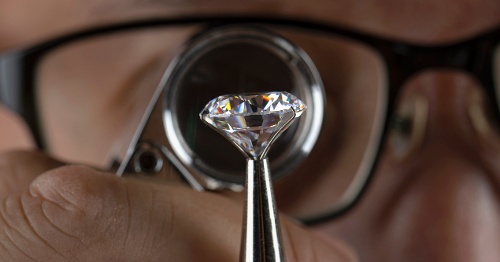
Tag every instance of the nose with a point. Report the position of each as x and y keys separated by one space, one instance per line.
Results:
x=435 y=195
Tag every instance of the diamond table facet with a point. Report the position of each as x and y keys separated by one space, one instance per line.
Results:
x=251 y=120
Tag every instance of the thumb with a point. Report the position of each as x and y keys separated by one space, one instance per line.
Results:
x=77 y=213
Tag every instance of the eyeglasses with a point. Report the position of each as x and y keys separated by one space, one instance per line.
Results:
x=81 y=93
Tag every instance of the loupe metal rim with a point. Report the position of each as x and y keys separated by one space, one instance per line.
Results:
x=309 y=89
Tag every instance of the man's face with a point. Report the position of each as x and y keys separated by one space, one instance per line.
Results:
x=435 y=195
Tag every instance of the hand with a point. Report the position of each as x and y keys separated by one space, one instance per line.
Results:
x=53 y=212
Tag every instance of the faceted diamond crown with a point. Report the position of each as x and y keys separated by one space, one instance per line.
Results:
x=250 y=121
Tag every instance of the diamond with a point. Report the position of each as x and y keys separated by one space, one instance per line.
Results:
x=252 y=121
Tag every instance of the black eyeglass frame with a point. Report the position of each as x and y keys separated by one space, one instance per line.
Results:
x=402 y=59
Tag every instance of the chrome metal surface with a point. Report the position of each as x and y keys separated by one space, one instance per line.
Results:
x=261 y=239
x=150 y=131
x=147 y=160
x=261 y=233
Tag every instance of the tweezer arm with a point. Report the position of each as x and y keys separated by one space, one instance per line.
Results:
x=261 y=239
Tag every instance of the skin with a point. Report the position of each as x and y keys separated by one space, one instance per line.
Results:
x=435 y=194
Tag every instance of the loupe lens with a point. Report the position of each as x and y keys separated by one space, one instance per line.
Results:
x=232 y=68
x=235 y=60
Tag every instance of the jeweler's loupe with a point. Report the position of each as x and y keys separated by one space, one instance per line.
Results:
x=232 y=59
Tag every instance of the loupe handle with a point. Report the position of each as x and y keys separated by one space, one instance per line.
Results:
x=261 y=239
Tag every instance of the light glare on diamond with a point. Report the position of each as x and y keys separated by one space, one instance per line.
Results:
x=250 y=120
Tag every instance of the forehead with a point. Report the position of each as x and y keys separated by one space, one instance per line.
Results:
x=424 y=21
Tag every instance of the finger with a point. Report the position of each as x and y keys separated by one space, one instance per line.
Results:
x=75 y=212
x=19 y=168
